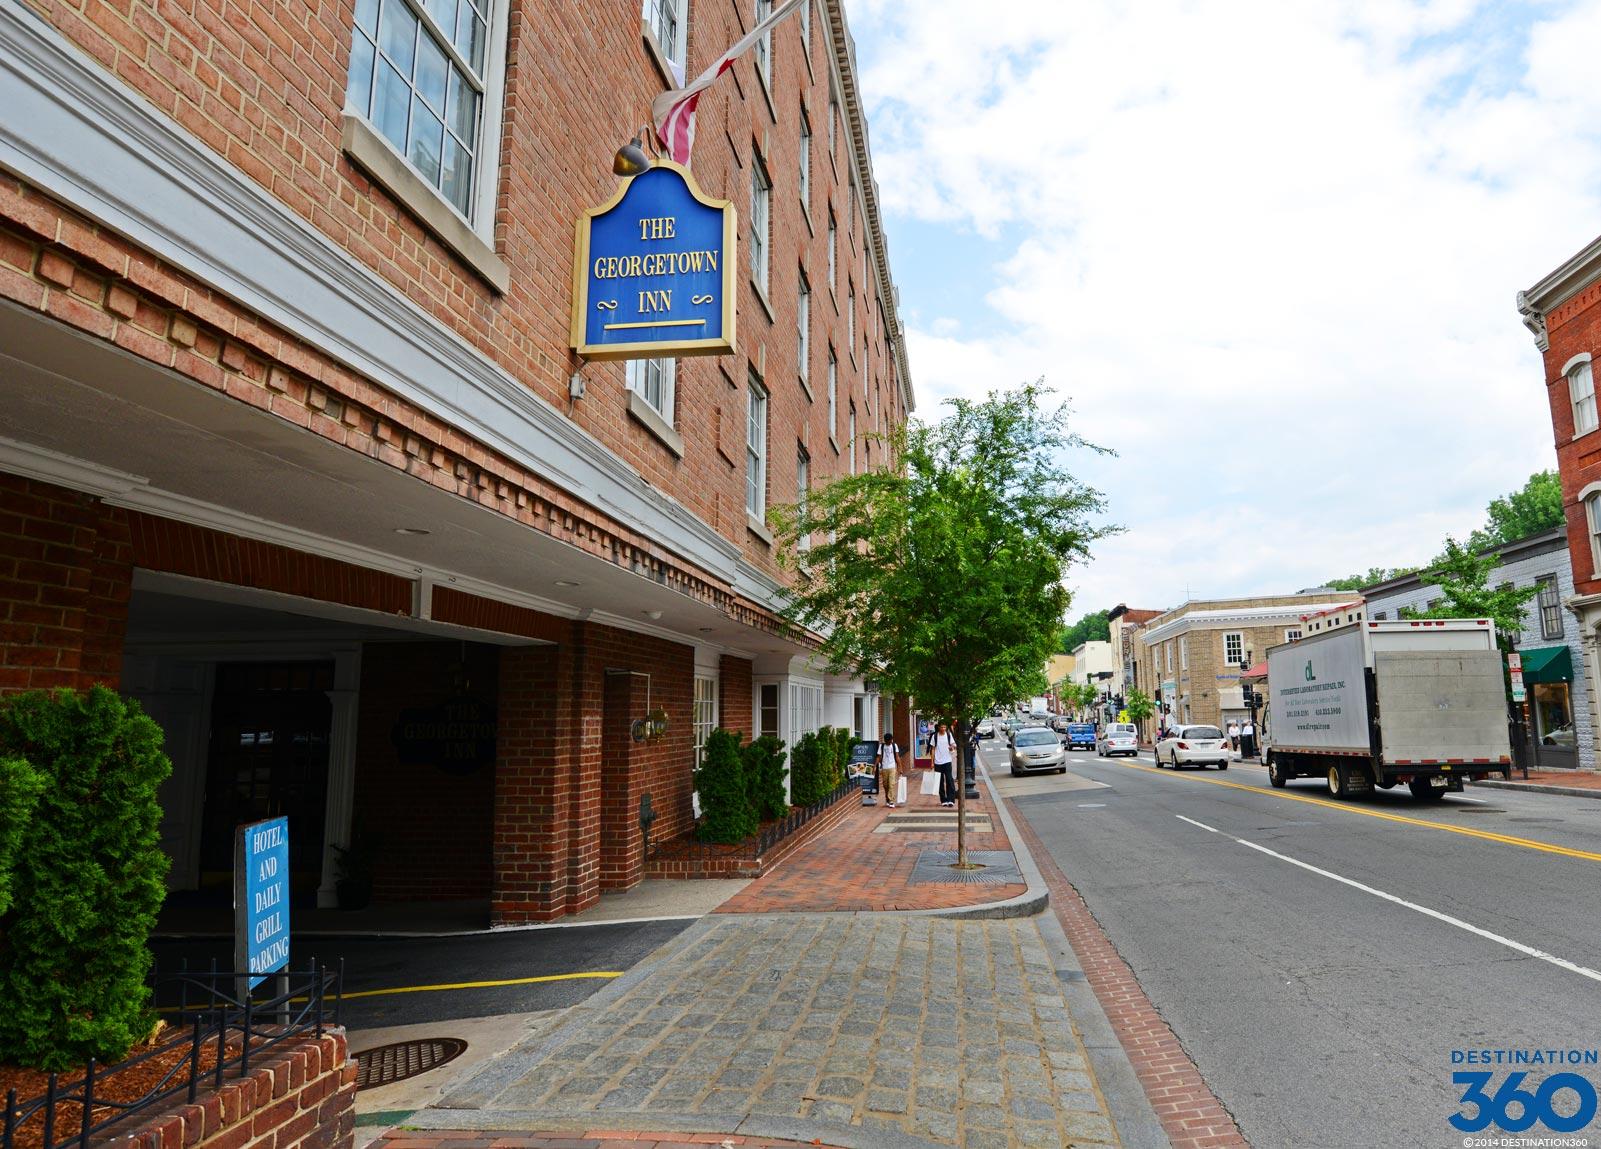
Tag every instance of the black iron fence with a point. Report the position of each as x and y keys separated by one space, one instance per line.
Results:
x=218 y=1031
x=689 y=847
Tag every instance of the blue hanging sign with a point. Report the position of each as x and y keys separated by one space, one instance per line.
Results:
x=261 y=898
x=653 y=272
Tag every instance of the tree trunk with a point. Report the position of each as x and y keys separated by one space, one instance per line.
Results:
x=959 y=768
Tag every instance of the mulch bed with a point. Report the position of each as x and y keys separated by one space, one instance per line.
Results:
x=127 y=1084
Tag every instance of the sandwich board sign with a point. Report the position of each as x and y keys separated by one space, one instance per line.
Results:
x=261 y=898
x=653 y=271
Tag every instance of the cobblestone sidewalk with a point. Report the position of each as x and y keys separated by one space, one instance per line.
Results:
x=850 y=1030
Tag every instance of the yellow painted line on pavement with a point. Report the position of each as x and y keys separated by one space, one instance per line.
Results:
x=1466 y=831
x=605 y=975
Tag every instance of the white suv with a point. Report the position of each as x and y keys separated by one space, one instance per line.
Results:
x=1194 y=744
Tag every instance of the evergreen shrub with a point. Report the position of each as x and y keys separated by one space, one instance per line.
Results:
x=86 y=882
x=805 y=769
x=764 y=777
x=726 y=813
x=20 y=787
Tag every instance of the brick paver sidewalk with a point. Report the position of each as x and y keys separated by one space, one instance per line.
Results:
x=1577 y=779
x=852 y=866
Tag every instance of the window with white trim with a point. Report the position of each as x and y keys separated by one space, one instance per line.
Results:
x=833 y=121
x=1292 y=635
x=803 y=492
x=419 y=73
x=668 y=21
x=833 y=244
x=806 y=27
x=803 y=325
x=1184 y=653
x=1581 y=392
x=805 y=710
x=705 y=712
x=805 y=158
x=1168 y=646
x=1550 y=607
x=851 y=438
x=850 y=315
x=654 y=380
x=1234 y=647
x=767 y=710
x=756 y=452
x=1592 y=516
x=764 y=46
x=833 y=394
x=761 y=202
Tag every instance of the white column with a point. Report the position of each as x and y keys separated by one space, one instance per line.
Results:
x=345 y=697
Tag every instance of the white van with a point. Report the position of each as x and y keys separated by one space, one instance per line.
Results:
x=1118 y=738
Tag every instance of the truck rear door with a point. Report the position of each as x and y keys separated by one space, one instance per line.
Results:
x=1441 y=707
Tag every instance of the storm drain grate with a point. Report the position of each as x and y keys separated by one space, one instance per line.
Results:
x=934 y=867
x=388 y=1063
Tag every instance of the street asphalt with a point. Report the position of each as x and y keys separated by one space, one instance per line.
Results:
x=407 y=980
x=1324 y=1013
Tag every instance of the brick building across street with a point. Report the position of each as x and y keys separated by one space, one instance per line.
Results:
x=293 y=448
x=1563 y=313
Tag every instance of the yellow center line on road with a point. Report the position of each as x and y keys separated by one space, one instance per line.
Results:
x=1466 y=831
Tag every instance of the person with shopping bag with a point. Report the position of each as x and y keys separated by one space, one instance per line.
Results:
x=888 y=766
x=944 y=750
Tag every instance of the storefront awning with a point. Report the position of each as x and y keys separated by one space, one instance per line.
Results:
x=1547 y=664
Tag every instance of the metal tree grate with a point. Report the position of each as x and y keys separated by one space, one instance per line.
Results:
x=934 y=867
x=403 y=1059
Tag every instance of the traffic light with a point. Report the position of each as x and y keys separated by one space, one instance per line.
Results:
x=1117 y=702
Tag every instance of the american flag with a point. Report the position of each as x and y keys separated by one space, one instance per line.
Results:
x=674 y=112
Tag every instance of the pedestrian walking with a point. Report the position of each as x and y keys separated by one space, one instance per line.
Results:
x=1234 y=736
x=1248 y=739
x=888 y=765
x=944 y=750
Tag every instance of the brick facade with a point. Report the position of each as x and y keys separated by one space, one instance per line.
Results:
x=297 y=306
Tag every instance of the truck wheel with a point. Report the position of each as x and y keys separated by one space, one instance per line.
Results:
x=1275 y=776
x=1337 y=784
x=1423 y=792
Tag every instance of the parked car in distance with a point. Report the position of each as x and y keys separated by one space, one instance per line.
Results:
x=1186 y=745
x=1037 y=748
x=1060 y=723
x=1081 y=735
x=1118 y=738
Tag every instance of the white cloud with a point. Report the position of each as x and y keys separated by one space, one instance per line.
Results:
x=1269 y=250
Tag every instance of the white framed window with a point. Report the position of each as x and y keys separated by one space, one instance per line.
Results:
x=833 y=394
x=424 y=73
x=806 y=28
x=756 y=452
x=761 y=202
x=705 y=712
x=805 y=158
x=805 y=710
x=1549 y=601
x=1292 y=635
x=1168 y=648
x=1184 y=653
x=1581 y=392
x=833 y=120
x=668 y=21
x=767 y=697
x=764 y=46
x=1234 y=647
x=803 y=491
x=850 y=315
x=803 y=326
x=1592 y=516
x=654 y=381
x=833 y=245
x=851 y=438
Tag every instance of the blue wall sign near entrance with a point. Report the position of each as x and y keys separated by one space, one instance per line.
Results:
x=653 y=272
x=261 y=898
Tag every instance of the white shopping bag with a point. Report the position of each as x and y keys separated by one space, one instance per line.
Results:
x=900 y=790
x=930 y=783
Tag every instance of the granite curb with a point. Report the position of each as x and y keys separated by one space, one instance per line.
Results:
x=731 y=1125
x=1538 y=788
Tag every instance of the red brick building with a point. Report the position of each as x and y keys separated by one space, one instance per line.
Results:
x=1563 y=311
x=293 y=448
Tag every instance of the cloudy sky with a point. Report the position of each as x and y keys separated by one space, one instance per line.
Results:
x=1269 y=250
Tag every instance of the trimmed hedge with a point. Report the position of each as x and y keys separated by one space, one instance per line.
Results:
x=20 y=787
x=817 y=764
x=764 y=777
x=726 y=813
x=86 y=881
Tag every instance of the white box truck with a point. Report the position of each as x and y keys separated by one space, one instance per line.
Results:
x=1415 y=702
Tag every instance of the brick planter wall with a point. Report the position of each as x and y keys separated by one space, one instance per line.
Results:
x=301 y=1095
x=739 y=866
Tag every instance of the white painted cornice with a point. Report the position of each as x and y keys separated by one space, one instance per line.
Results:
x=1561 y=285
x=82 y=136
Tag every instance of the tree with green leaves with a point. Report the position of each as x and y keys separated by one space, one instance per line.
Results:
x=943 y=579
x=1139 y=705
x=1093 y=627
x=1535 y=507
x=1374 y=575
x=1464 y=578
